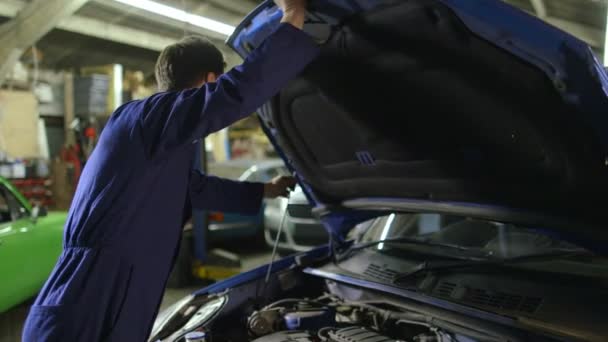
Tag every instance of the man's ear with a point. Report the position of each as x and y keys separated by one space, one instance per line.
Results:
x=211 y=77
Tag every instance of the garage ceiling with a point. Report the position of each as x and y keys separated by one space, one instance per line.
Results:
x=584 y=12
x=106 y=31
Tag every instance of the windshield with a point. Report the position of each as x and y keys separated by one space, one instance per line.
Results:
x=485 y=238
x=493 y=266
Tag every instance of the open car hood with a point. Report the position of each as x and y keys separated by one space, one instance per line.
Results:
x=455 y=106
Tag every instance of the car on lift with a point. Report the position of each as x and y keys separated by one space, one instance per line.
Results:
x=30 y=243
x=468 y=145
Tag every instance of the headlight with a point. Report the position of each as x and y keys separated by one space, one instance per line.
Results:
x=186 y=315
x=163 y=317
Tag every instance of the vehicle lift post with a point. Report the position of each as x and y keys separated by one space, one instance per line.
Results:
x=209 y=264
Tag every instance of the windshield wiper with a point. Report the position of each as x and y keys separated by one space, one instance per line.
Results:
x=412 y=241
x=455 y=264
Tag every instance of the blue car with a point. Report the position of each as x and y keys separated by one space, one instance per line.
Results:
x=456 y=153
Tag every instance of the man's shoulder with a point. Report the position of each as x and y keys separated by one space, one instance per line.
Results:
x=156 y=101
x=147 y=110
x=141 y=106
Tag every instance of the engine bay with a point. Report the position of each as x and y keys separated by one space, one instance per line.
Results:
x=307 y=298
x=329 y=318
x=298 y=307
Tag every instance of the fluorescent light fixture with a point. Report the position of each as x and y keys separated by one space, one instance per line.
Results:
x=385 y=230
x=180 y=15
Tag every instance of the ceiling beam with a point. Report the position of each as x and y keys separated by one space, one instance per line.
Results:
x=218 y=39
x=30 y=23
x=100 y=29
x=238 y=7
x=112 y=32
x=606 y=40
x=590 y=35
x=158 y=19
x=116 y=33
x=539 y=8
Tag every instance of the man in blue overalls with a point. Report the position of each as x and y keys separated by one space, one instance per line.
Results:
x=124 y=225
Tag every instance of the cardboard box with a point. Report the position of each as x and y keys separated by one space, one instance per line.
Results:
x=19 y=124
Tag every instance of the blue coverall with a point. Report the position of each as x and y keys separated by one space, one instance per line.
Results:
x=124 y=225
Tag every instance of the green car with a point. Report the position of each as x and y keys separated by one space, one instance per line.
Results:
x=30 y=243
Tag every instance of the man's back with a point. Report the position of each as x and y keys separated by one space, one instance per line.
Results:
x=120 y=256
x=122 y=179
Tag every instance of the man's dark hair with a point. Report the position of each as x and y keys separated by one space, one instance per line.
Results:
x=182 y=64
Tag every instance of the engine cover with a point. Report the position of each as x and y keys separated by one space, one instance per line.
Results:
x=350 y=334
x=287 y=336
x=357 y=334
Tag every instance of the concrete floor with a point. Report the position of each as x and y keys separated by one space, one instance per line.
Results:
x=11 y=322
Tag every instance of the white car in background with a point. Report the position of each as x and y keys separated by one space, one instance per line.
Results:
x=301 y=229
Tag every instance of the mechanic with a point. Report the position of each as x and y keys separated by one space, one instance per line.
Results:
x=124 y=225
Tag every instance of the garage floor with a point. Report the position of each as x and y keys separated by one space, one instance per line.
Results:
x=11 y=322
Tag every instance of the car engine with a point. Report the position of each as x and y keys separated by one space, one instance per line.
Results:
x=318 y=311
x=352 y=334
x=331 y=319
